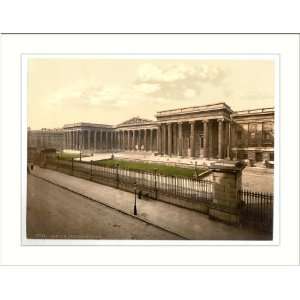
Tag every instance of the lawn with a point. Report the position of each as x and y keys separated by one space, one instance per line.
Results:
x=150 y=167
x=68 y=156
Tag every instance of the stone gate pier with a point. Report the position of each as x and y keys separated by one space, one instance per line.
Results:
x=227 y=179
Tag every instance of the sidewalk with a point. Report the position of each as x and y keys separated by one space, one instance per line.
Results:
x=184 y=222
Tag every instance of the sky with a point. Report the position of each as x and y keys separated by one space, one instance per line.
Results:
x=111 y=91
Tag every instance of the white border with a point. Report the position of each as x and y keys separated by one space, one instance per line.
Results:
x=275 y=58
x=285 y=253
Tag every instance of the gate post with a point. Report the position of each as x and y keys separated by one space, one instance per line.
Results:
x=117 y=175
x=227 y=181
x=91 y=174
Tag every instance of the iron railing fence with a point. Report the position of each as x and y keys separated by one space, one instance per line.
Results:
x=151 y=183
x=257 y=209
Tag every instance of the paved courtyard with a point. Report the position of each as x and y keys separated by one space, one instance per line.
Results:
x=180 y=221
x=258 y=179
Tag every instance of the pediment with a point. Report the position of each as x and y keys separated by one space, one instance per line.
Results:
x=136 y=120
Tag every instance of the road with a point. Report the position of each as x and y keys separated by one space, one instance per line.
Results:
x=56 y=213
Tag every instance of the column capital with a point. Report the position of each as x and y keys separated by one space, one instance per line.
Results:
x=221 y=120
x=205 y=121
x=192 y=121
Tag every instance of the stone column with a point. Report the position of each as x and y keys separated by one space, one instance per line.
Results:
x=192 y=139
x=80 y=140
x=139 y=139
x=169 y=139
x=174 y=137
x=128 y=141
x=133 y=140
x=65 y=141
x=228 y=140
x=111 y=140
x=89 y=139
x=145 y=140
x=158 y=139
x=220 y=138
x=123 y=139
x=210 y=139
x=106 y=140
x=95 y=140
x=100 y=139
x=74 y=139
x=164 y=138
x=180 y=138
x=205 y=138
x=71 y=139
x=151 y=140
x=119 y=140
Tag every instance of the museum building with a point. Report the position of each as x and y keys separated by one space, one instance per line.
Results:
x=211 y=131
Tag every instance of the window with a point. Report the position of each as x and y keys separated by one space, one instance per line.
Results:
x=268 y=135
x=252 y=134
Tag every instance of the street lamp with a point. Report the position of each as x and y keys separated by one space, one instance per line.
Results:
x=134 y=209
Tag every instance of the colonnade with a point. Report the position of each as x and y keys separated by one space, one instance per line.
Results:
x=195 y=138
x=111 y=140
x=143 y=139
x=187 y=138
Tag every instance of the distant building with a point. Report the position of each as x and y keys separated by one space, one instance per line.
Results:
x=46 y=138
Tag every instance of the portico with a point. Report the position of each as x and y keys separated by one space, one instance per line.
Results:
x=137 y=134
x=201 y=131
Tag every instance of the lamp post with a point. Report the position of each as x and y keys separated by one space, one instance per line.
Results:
x=80 y=146
x=134 y=209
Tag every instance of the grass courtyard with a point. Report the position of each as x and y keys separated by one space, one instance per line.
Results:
x=69 y=156
x=150 y=167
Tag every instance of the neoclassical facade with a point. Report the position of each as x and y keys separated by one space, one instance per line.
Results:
x=212 y=131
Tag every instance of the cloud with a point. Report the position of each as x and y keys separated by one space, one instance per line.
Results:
x=177 y=81
x=257 y=95
x=189 y=93
x=88 y=94
x=147 y=88
x=173 y=82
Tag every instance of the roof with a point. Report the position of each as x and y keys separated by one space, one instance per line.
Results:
x=192 y=109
